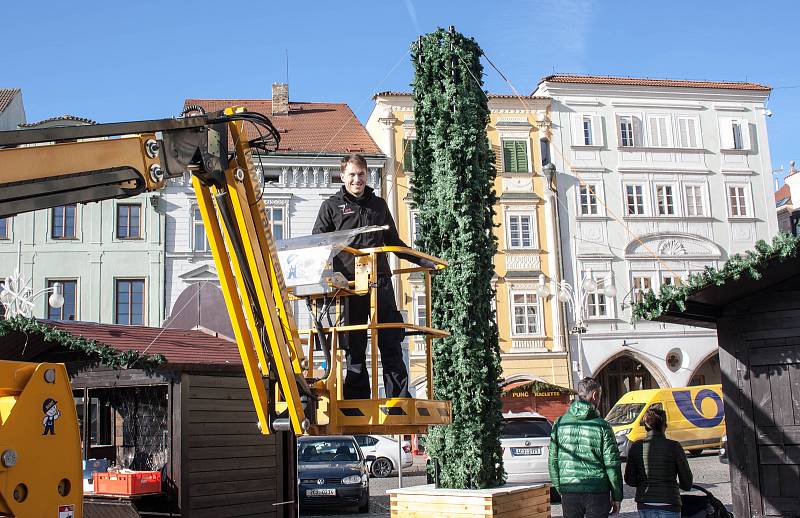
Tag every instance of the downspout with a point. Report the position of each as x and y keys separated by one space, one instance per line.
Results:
x=387 y=120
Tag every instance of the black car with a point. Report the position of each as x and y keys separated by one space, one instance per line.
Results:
x=333 y=473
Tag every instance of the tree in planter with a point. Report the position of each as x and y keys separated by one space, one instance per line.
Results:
x=453 y=189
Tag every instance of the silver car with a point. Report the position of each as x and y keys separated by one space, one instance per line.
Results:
x=526 y=446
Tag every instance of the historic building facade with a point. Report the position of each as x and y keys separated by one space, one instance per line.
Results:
x=531 y=327
x=657 y=179
x=107 y=255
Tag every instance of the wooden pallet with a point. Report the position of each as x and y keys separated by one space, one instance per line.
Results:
x=509 y=501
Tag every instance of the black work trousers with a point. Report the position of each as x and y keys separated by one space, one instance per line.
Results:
x=390 y=345
x=586 y=505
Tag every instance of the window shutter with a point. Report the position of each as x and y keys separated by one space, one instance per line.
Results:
x=637 y=131
x=745 y=133
x=508 y=155
x=683 y=133
x=408 y=154
x=664 y=133
x=597 y=130
x=577 y=129
x=694 y=137
x=725 y=133
x=521 y=149
x=652 y=124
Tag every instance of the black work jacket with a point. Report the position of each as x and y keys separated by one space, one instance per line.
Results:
x=343 y=211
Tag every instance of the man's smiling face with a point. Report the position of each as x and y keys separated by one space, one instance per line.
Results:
x=354 y=178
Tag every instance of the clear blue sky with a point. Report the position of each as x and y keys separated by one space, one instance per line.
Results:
x=113 y=61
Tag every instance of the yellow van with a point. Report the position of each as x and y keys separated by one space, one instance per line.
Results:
x=695 y=416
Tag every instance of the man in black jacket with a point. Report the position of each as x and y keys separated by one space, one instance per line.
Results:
x=354 y=206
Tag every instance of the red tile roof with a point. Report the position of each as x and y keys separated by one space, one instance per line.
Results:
x=330 y=128
x=6 y=95
x=490 y=96
x=179 y=346
x=640 y=81
x=782 y=193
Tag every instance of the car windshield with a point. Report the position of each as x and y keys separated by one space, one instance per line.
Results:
x=328 y=450
x=523 y=428
x=625 y=413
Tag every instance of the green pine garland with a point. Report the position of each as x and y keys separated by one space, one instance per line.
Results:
x=96 y=351
x=453 y=188
x=751 y=264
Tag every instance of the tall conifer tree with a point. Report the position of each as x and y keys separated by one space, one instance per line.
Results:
x=453 y=188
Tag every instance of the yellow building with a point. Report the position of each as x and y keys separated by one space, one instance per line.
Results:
x=531 y=327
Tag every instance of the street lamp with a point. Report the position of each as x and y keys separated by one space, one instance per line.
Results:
x=575 y=297
x=17 y=296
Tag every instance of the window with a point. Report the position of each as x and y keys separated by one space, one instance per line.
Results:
x=626 y=138
x=199 y=238
x=100 y=417
x=737 y=200
x=641 y=284
x=414 y=226
x=515 y=156
x=520 y=231
x=277 y=220
x=587 y=130
x=128 y=221
x=408 y=155
x=544 y=147
x=659 y=130
x=129 y=303
x=734 y=134
x=63 y=222
x=736 y=128
x=5 y=227
x=694 y=200
x=420 y=313
x=596 y=305
x=687 y=132
x=366 y=440
x=669 y=279
x=588 y=201
x=68 y=310
x=525 y=308
x=666 y=200
x=634 y=199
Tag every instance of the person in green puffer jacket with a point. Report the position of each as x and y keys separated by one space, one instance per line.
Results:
x=584 y=460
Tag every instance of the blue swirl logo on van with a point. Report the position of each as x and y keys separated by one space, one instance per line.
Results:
x=692 y=411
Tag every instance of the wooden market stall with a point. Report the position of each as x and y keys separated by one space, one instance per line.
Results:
x=754 y=304
x=166 y=400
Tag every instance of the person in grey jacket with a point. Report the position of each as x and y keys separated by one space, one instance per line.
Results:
x=658 y=469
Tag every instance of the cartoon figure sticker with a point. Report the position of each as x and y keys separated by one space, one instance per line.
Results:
x=51 y=413
x=66 y=511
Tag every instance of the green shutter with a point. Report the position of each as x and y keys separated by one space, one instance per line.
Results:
x=508 y=155
x=408 y=154
x=515 y=156
x=522 y=156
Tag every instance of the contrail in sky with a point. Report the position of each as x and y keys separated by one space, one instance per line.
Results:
x=412 y=12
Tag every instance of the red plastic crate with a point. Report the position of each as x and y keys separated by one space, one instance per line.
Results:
x=136 y=483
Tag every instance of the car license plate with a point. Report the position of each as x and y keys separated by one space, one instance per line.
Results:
x=536 y=450
x=321 y=492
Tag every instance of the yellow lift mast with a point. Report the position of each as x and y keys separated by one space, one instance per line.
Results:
x=48 y=167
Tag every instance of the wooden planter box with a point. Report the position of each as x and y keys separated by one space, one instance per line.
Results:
x=509 y=501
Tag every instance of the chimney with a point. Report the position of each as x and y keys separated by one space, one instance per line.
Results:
x=280 y=99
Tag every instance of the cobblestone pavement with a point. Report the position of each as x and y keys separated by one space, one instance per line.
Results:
x=708 y=472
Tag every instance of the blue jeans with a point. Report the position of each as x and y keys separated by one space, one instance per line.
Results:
x=658 y=513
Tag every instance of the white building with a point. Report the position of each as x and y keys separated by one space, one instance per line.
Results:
x=299 y=177
x=657 y=179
